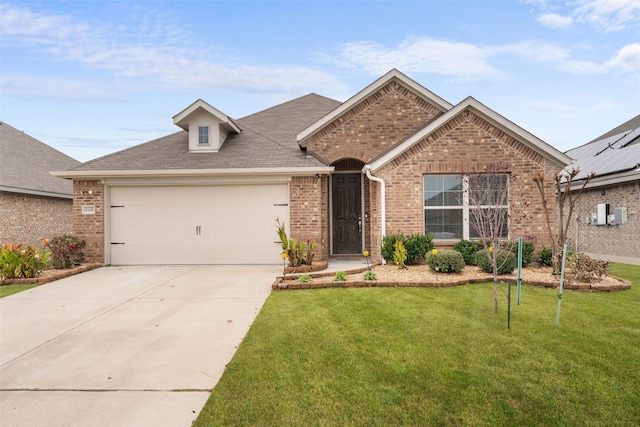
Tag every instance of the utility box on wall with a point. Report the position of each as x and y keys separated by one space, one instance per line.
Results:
x=620 y=215
x=603 y=213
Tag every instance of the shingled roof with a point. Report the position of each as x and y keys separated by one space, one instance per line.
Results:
x=267 y=140
x=25 y=163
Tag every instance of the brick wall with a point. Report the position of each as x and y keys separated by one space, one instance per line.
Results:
x=309 y=214
x=467 y=143
x=28 y=219
x=373 y=126
x=89 y=228
x=616 y=240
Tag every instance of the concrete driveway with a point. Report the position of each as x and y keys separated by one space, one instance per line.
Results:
x=124 y=346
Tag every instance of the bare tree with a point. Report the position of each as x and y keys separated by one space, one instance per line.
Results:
x=487 y=195
x=565 y=177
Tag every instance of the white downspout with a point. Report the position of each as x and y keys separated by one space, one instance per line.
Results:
x=383 y=209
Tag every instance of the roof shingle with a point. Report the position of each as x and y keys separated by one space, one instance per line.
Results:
x=25 y=163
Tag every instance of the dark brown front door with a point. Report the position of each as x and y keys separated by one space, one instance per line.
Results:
x=347 y=213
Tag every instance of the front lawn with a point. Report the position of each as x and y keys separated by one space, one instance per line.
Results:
x=436 y=356
x=6 y=290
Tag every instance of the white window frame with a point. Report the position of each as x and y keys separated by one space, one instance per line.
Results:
x=200 y=135
x=466 y=225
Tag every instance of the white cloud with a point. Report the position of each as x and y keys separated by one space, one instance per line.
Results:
x=32 y=86
x=456 y=60
x=609 y=15
x=553 y=20
x=602 y=15
x=142 y=59
x=560 y=57
x=627 y=59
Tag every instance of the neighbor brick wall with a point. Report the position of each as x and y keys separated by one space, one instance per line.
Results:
x=89 y=228
x=373 y=126
x=617 y=240
x=467 y=143
x=27 y=219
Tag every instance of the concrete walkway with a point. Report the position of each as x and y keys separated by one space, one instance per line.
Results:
x=124 y=346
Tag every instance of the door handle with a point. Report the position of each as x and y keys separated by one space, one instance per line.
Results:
x=359 y=223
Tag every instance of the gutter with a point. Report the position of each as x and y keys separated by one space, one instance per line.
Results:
x=383 y=206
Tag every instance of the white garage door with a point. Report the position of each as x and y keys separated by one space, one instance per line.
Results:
x=225 y=224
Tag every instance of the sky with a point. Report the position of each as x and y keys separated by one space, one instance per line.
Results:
x=91 y=78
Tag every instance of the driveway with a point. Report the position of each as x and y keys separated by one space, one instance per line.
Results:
x=124 y=346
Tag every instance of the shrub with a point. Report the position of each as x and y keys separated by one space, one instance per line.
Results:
x=399 y=254
x=507 y=261
x=66 y=251
x=527 y=251
x=546 y=257
x=416 y=246
x=16 y=262
x=445 y=261
x=370 y=275
x=340 y=276
x=468 y=249
x=586 y=269
x=304 y=278
x=298 y=252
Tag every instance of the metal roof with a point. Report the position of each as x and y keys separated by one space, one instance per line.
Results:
x=614 y=154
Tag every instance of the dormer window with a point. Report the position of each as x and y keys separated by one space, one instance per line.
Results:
x=208 y=128
x=203 y=135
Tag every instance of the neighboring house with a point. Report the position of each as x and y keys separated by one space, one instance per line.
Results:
x=342 y=174
x=33 y=204
x=607 y=215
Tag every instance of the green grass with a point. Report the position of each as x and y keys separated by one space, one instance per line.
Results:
x=436 y=356
x=14 y=289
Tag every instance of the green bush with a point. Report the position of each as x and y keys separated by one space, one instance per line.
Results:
x=18 y=263
x=527 y=251
x=546 y=257
x=468 y=249
x=507 y=261
x=370 y=275
x=304 y=278
x=416 y=246
x=340 y=276
x=445 y=261
x=66 y=251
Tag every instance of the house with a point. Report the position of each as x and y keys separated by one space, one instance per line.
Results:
x=33 y=204
x=389 y=159
x=607 y=213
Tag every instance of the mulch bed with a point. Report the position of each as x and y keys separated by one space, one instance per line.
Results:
x=422 y=276
x=50 y=275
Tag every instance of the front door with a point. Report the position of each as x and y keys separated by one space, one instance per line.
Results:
x=347 y=213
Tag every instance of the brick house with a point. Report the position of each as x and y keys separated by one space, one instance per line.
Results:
x=33 y=204
x=386 y=160
x=607 y=214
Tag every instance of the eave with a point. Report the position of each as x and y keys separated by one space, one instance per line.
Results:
x=176 y=173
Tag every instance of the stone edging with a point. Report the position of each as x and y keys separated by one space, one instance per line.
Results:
x=293 y=284
x=59 y=274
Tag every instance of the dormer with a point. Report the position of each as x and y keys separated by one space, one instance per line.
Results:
x=207 y=126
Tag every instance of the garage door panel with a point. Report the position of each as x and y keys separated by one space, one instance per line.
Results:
x=233 y=224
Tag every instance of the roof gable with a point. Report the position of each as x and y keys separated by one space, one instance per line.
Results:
x=393 y=75
x=25 y=163
x=487 y=114
x=182 y=118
